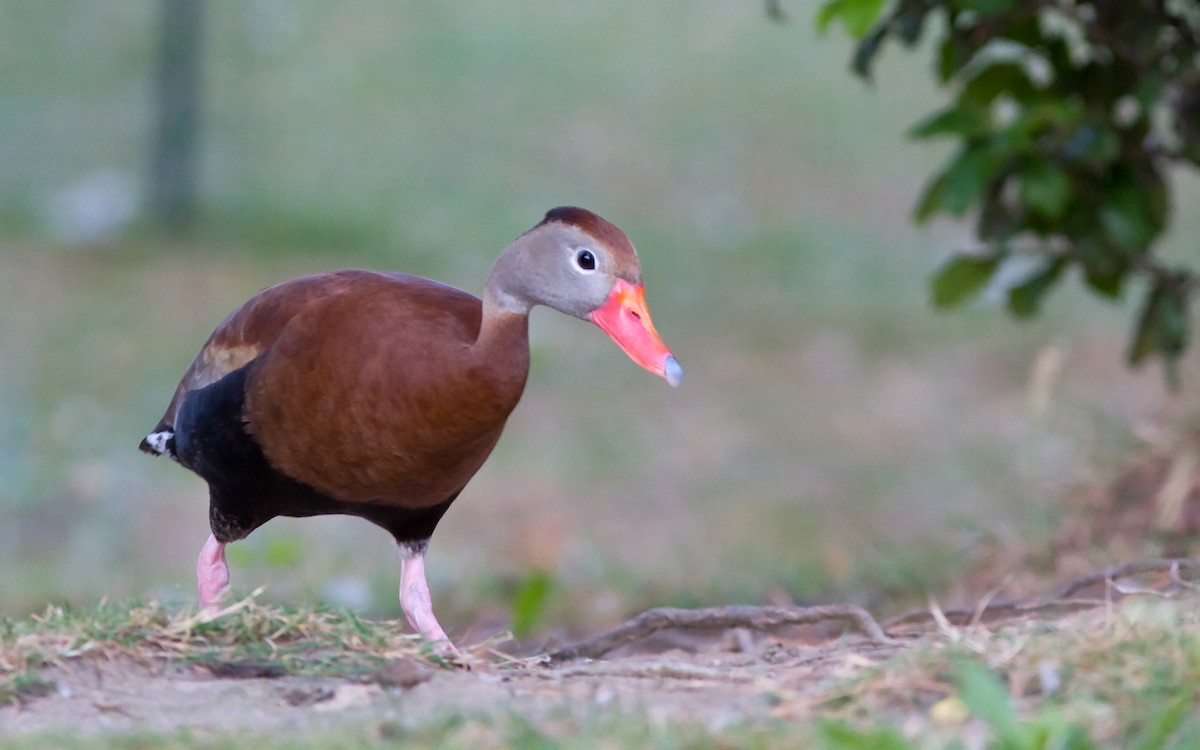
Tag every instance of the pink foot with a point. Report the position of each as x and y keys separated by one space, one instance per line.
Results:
x=212 y=573
x=418 y=605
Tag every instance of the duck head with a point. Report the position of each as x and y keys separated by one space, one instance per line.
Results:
x=579 y=264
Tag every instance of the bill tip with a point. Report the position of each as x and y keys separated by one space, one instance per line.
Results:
x=672 y=370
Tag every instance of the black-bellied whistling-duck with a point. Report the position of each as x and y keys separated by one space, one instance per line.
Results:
x=381 y=394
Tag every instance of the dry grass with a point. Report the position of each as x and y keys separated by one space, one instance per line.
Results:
x=1122 y=674
x=246 y=635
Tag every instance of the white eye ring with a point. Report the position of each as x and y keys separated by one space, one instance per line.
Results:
x=585 y=260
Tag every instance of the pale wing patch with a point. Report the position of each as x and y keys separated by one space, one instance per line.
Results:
x=216 y=361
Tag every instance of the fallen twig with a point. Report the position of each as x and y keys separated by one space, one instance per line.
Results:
x=1120 y=571
x=1062 y=597
x=973 y=616
x=768 y=618
x=734 y=616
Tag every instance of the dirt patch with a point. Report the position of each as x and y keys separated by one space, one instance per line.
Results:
x=701 y=681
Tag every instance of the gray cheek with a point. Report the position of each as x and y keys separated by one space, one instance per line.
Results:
x=581 y=295
x=587 y=293
x=600 y=287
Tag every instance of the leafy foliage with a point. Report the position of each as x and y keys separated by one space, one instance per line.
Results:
x=1069 y=116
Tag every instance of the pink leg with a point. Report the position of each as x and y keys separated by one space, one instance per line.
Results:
x=418 y=605
x=212 y=573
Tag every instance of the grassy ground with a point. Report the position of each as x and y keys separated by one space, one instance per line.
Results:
x=1121 y=675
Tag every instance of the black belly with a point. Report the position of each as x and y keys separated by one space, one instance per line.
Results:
x=245 y=491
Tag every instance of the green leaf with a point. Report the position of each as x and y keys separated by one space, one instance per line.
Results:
x=1045 y=188
x=961 y=278
x=986 y=697
x=857 y=16
x=1014 y=139
x=1145 y=334
x=1025 y=299
x=1125 y=215
x=953 y=55
x=985 y=6
x=959 y=185
x=910 y=22
x=1048 y=115
x=1004 y=77
x=865 y=51
x=827 y=13
x=1106 y=285
x=961 y=120
x=1162 y=326
x=1103 y=270
x=529 y=603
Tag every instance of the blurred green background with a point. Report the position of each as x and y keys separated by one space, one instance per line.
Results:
x=834 y=438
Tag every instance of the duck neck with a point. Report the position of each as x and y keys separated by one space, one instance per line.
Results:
x=504 y=292
x=503 y=340
x=505 y=310
x=502 y=346
x=502 y=327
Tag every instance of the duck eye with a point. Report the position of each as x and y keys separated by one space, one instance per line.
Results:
x=585 y=260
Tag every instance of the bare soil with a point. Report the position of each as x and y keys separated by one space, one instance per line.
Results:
x=716 y=680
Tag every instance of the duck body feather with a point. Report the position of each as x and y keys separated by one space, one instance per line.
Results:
x=353 y=392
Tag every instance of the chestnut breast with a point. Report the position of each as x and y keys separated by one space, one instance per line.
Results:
x=380 y=389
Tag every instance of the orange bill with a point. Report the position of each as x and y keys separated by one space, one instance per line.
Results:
x=624 y=317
